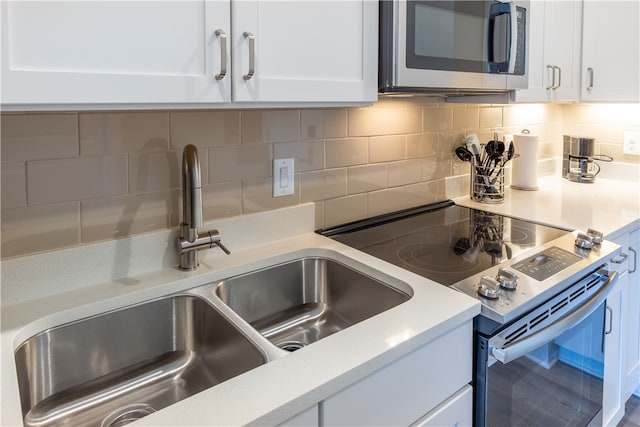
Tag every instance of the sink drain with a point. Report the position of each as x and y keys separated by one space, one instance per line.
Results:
x=127 y=414
x=291 y=345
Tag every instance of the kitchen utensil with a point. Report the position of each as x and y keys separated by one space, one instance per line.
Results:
x=463 y=154
x=473 y=145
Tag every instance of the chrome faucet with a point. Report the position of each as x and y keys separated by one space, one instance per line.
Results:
x=191 y=240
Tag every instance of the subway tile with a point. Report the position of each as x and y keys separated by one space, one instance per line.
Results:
x=385 y=201
x=345 y=209
x=491 y=117
x=221 y=200
x=323 y=123
x=361 y=179
x=387 y=148
x=241 y=162
x=405 y=121
x=205 y=128
x=404 y=172
x=257 y=195
x=421 y=145
x=524 y=114
x=457 y=186
x=108 y=133
x=28 y=137
x=346 y=152
x=118 y=217
x=76 y=179
x=424 y=193
x=437 y=119
x=307 y=155
x=322 y=185
x=40 y=228
x=367 y=121
x=436 y=167
x=14 y=185
x=270 y=126
x=466 y=118
x=154 y=171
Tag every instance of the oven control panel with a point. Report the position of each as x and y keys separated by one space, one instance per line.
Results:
x=547 y=263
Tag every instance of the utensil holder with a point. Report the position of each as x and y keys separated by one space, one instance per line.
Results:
x=487 y=182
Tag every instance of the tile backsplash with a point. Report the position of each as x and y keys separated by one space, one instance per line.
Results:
x=81 y=177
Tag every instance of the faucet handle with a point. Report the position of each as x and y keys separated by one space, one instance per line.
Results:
x=223 y=247
x=214 y=239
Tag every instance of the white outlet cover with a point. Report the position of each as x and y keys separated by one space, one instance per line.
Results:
x=631 y=143
x=283 y=177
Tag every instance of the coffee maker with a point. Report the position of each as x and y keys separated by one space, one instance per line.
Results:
x=579 y=159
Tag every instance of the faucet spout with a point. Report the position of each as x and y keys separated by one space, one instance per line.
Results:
x=191 y=240
x=191 y=188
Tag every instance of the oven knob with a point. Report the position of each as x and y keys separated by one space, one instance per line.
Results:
x=507 y=279
x=489 y=287
x=596 y=236
x=584 y=241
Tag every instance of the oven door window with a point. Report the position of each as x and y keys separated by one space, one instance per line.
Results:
x=559 y=383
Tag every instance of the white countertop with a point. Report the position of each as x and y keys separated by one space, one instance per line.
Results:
x=606 y=205
x=267 y=395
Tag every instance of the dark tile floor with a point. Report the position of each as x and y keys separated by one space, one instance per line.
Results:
x=632 y=413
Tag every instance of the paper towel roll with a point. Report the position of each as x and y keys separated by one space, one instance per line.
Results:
x=524 y=171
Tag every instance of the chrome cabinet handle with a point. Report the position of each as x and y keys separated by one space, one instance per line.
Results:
x=635 y=260
x=553 y=76
x=590 y=72
x=620 y=258
x=252 y=54
x=559 y=76
x=609 y=328
x=223 y=54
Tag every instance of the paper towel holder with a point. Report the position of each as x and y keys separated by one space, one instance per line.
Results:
x=524 y=174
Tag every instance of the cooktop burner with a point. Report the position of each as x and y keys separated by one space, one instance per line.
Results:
x=444 y=242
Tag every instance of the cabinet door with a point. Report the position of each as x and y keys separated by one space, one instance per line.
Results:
x=305 y=51
x=562 y=49
x=407 y=389
x=112 y=52
x=631 y=319
x=554 y=52
x=611 y=51
x=612 y=402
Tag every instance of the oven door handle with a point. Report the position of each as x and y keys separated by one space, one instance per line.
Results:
x=553 y=331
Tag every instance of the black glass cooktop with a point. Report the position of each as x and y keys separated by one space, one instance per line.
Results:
x=444 y=242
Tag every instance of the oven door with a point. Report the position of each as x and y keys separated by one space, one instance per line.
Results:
x=456 y=44
x=545 y=369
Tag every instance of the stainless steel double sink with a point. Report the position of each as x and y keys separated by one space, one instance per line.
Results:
x=113 y=368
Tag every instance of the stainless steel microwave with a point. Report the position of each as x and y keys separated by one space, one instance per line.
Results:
x=453 y=46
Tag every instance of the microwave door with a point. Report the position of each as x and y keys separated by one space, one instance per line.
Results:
x=445 y=44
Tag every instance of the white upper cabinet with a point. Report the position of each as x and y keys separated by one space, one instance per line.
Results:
x=305 y=51
x=611 y=51
x=554 y=51
x=84 y=54
x=111 y=52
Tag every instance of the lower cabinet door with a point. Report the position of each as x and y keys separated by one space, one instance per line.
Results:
x=403 y=391
x=457 y=411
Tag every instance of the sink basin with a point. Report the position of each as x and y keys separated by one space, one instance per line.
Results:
x=114 y=368
x=299 y=302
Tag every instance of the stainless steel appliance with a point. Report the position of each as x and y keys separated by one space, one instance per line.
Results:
x=453 y=46
x=537 y=285
x=579 y=159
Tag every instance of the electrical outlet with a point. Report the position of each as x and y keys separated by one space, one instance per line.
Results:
x=631 y=143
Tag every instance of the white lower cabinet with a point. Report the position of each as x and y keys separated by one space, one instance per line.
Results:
x=629 y=239
x=454 y=412
x=408 y=390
